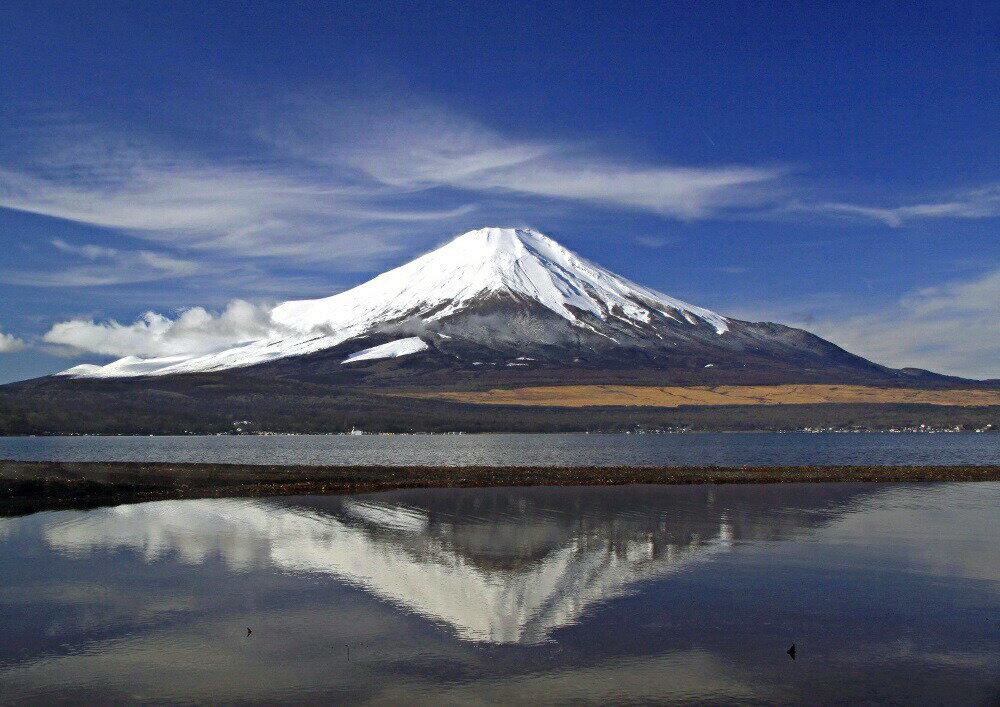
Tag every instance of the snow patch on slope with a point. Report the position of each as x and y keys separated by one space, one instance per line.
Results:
x=82 y=370
x=394 y=349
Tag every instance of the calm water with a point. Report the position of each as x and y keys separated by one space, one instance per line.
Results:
x=523 y=449
x=891 y=594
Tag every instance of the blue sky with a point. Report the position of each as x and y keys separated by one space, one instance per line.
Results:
x=827 y=165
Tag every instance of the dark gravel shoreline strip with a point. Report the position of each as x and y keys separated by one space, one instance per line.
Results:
x=31 y=486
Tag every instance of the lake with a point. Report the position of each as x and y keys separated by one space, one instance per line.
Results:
x=635 y=594
x=524 y=449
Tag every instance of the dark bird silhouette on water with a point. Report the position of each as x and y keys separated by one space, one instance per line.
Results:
x=791 y=651
x=249 y=631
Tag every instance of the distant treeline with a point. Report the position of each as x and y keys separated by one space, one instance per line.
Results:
x=206 y=404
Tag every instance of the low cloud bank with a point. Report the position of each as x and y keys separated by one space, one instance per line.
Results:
x=953 y=329
x=10 y=343
x=194 y=331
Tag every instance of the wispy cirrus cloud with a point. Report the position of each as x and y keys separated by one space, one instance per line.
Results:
x=978 y=203
x=87 y=250
x=352 y=184
x=106 y=266
x=255 y=203
x=425 y=147
x=238 y=211
x=952 y=328
x=348 y=186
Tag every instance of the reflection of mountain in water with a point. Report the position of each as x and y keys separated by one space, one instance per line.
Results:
x=499 y=565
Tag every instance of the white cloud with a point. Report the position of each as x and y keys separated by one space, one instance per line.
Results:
x=273 y=207
x=10 y=343
x=92 y=252
x=982 y=202
x=193 y=331
x=680 y=192
x=108 y=266
x=421 y=148
x=347 y=185
x=952 y=329
x=653 y=241
x=426 y=148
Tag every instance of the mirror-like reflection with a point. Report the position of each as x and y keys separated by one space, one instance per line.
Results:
x=684 y=594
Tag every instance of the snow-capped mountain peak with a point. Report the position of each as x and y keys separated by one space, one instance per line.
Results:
x=514 y=265
x=522 y=262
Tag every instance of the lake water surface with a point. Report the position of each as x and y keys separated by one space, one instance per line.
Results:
x=635 y=594
x=523 y=449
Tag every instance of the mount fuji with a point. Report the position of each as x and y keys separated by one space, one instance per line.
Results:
x=515 y=299
x=497 y=315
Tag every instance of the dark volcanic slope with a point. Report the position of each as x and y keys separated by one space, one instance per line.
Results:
x=319 y=393
x=520 y=343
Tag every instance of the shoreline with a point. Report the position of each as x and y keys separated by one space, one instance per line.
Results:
x=30 y=486
x=459 y=433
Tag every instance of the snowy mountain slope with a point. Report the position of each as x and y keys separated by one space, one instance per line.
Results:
x=492 y=266
x=394 y=349
x=488 y=261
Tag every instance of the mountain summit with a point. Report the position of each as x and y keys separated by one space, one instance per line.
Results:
x=519 y=264
x=514 y=299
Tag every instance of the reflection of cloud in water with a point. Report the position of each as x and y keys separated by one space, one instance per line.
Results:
x=686 y=676
x=94 y=605
x=947 y=530
x=188 y=663
x=8 y=527
x=460 y=576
